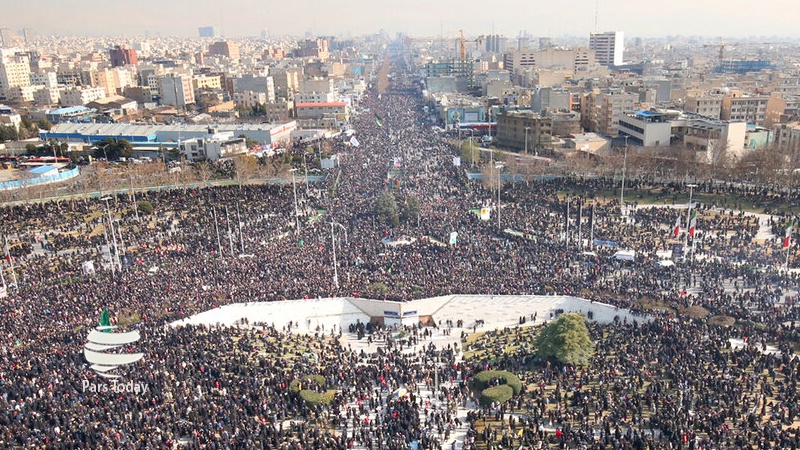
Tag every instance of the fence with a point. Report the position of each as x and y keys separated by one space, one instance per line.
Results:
x=61 y=176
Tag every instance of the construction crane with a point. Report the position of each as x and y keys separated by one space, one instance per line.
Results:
x=721 y=49
x=722 y=46
x=461 y=41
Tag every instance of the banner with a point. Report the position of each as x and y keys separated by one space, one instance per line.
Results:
x=88 y=267
x=453 y=237
x=457 y=161
x=354 y=142
x=484 y=213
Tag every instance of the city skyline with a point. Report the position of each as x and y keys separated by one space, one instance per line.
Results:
x=241 y=18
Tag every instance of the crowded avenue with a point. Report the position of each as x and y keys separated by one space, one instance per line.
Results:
x=693 y=350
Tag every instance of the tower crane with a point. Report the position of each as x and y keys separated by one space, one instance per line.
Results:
x=461 y=41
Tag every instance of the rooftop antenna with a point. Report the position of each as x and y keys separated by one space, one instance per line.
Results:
x=596 y=7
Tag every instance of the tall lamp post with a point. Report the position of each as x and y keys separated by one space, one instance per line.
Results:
x=115 y=259
x=333 y=245
x=498 y=166
x=296 y=210
x=526 y=139
x=688 y=218
x=624 y=167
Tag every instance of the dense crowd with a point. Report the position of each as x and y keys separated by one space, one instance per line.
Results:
x=217 y=387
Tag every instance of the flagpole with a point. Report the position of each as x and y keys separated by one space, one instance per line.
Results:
x=14 y=273
x=228 y=223
x=786 y=264
x=591 y=229
x=3 y=278
x=788 y=242
x=688 y=219
x=216 y=227
x=566 y=226
x=580 y=219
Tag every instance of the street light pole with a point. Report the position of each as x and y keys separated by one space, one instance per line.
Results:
x=526 y=139
x=498 y=166
x=624 y=167
x=688 y=217
x=335 y=265
x=113 y=236
x=296 y=210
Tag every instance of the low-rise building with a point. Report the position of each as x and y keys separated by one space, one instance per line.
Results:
x=524 y=129
x=322 y=115
x=76 y=113
x=648 y=128
x=217 y=145
x=81 y=96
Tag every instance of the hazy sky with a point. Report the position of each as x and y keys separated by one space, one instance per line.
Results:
x=740 y=18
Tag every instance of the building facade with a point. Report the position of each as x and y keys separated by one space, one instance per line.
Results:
x=647 y=128
x=228 y=49
x=176 y=90
x=608 y=47
x=516 y=128
x=123 y=56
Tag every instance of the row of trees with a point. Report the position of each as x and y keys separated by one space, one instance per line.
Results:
x=391 y=211
x=27 y=129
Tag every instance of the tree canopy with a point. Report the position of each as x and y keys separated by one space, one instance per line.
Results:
x=567 y=340
x=113 y=149
x=386 y=208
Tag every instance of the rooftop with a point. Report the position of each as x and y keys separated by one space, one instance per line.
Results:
x=69 y=110
x=321 y=104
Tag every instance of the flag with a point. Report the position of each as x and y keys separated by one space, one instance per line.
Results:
x=378 y=120
x=692 y=223
x=6 y=251
x=398 y=162
x=105 y=318
x=677 y=226
x=788 y=237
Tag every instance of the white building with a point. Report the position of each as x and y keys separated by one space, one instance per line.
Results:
x=216 y=145
x=249 y=99
x=315 y=97
x=46 y=79
x=255 y=83
x=608 y=47
x=46 y=96
x=176 y=89
x=15 y=70
x=81 y=96
x=647 y=128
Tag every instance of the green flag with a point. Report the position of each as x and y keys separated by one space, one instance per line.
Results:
x=105 y=318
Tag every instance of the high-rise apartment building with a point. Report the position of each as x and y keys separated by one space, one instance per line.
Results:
x=227 y=49
x=207 y=32
x=123 y=56
x=176 y=89
x=314 y=48
x=15 y=71
x=496 y=43
x=608 y=47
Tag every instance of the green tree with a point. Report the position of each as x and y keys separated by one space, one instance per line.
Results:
x=113 y=149
x=8 y=133
x=567 y=340
x=410 y=210
x=386 y=208
x=145 y=207
x=44 y=124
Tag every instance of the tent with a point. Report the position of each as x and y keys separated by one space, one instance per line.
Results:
x=624 y=255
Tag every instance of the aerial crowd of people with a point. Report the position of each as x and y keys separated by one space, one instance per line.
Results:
x=666 y=382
